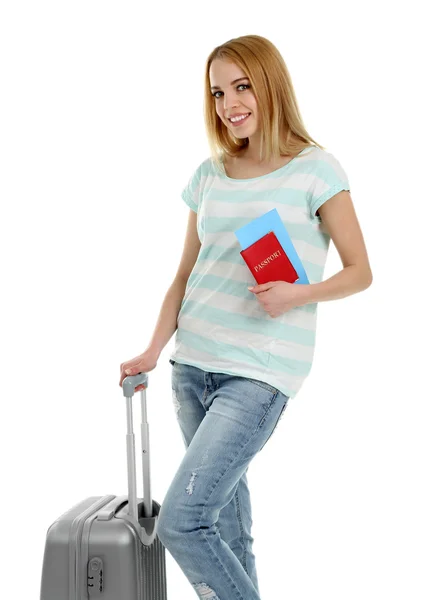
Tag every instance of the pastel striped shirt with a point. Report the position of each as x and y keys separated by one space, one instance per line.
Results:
x=221 y=326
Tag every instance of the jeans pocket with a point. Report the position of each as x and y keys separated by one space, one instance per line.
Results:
x=264 y=385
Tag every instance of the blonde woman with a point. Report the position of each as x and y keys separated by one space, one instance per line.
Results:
x=240 y=354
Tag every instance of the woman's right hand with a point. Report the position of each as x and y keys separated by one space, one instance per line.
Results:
x=147 y=361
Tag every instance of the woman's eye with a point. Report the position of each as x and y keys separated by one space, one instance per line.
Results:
x=240 y=85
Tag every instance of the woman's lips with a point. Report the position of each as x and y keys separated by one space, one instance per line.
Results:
x=241 y=122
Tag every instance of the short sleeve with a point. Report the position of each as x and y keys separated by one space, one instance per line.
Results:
x=330 y=178
x=191 y=192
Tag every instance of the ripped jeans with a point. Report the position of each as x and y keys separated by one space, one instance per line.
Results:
x=205 y=518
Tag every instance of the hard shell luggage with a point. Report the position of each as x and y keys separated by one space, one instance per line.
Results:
x=106 y=547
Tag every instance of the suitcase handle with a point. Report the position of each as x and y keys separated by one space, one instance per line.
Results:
x=128 y=385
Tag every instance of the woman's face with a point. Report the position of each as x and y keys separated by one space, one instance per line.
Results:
x=233 y=97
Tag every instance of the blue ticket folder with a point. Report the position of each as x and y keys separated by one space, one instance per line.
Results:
x=271 y=221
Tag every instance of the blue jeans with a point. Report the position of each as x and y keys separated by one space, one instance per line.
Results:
x=205 y=518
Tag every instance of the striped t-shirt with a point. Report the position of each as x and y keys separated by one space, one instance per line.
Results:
x=221 y=326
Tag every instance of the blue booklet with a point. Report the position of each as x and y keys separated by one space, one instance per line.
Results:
x=271 y=221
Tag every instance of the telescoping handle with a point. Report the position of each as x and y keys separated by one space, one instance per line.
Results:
x=128 y=385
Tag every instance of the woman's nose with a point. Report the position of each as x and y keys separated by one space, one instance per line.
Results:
x=229 y=102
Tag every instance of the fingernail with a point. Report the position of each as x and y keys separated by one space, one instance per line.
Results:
x=128 y=371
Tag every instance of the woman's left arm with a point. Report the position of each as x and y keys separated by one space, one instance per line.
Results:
x=340 y=220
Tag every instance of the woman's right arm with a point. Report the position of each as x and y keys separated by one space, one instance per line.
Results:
x=167 y=320
x=168 y=317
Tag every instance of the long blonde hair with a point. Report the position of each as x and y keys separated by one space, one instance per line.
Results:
x=282 y=131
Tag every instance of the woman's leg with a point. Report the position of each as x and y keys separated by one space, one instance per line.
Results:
x=234 y=524
x=235 y=519
x=240 y=417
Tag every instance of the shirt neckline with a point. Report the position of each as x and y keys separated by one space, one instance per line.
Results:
x=225 y=176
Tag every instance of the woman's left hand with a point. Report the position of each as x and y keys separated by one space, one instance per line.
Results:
x=277 y=297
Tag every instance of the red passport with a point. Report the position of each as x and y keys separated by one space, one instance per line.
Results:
x=268 y=261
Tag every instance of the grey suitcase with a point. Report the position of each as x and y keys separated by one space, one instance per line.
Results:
x=106 y=547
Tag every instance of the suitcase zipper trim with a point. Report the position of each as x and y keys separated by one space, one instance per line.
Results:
x=75 y=545
x=82 y=563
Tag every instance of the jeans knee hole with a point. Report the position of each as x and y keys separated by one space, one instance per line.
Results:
x=205 y=592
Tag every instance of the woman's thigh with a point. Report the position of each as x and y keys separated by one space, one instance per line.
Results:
x=195 y=392
x=225 y=421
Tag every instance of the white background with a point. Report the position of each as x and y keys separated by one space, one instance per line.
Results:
x=101 y=128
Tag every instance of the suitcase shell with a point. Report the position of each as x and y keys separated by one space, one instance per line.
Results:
x=106 y=547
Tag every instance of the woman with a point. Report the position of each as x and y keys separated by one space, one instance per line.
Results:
x=241 y=352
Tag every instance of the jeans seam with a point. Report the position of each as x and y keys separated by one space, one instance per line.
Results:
x=238 y=512
x=269 y=406
x=202 y=513
x=209 y=496
x=223 y=566
x=276 y=424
